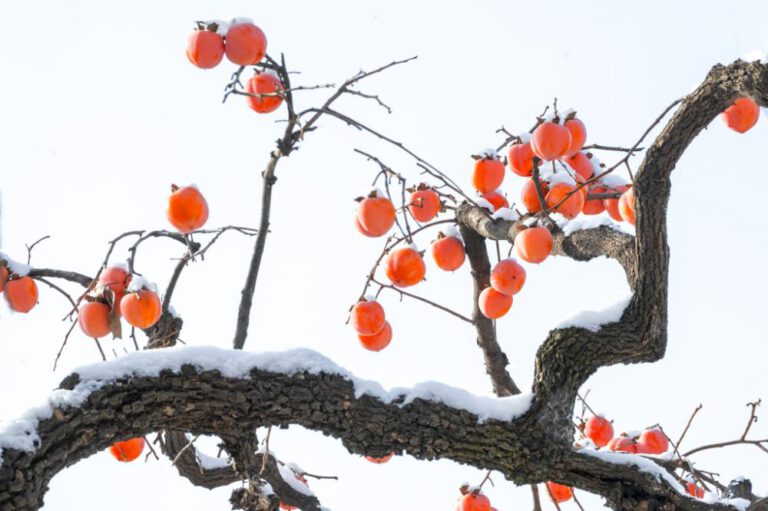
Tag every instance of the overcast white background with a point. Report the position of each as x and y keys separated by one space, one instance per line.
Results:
x=100 y=112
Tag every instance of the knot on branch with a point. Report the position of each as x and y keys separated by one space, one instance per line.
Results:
x=253 y=499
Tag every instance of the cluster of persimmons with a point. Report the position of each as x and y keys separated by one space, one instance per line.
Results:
x=244 y=44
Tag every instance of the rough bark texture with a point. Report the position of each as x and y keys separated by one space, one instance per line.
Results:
x=532 y=448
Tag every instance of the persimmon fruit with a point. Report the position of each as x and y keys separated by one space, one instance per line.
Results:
x=488 y=174
x=375 y=216
x=128 y=450
x=380 y=460
x=3 y=277
x=594 y=206
x=448 y=253
x=654 y=440
x=187 y=209
x=599 y=430
x=694 y=490
x=530 y=198
x=559 y=492
x=424 y=205
x=21 y=294
x=93 y=318
x=115 y=278
x=474 y=502
x=578 y=135
x=264 y=83
x=508 y=277
x=141 y=308
x=622 y=444
x=580 y=163
x=569 y=205
x=496 y=199
x=367 y=317
x=379 y=341
x=550 y=141
x=521 y=159
x=493 y=304
x=405 y=267
x=205 y=49
x=534 y=244
x=627 y=206
x=742 y=115
x=246 y=44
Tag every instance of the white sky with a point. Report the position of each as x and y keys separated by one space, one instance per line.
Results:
x=100 y=112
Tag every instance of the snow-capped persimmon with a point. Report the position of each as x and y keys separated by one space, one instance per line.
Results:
x=508 y=277
x=265 y=93
x=128 y=450
x=379 y=341
x=570 y=203
x=599 y=430
x=115 y=278
x=594 y=206
x=21 y=294
x=405 y=267
x=367 y=317
x=448 y=253
x=627 y=206
x=3 y=277
x=559 y=492
x=612 y=205
x=623 y=444
x=741 y=115
x=187 y=209
x=375 y=216
x=286 y=507
x=474 y=502
x=141 y=308
x=521 y=159
x=694 y=490
x=488 y=174
x=530 y=198
x=550 y=140
x=580 y=163
x=654 y=441
x=205 y=49
x=380 y=460
x=497 y=199
x=493 y=304
x=424 y=205
x=93 y=318
x=246 y=44
x=534 y=244
x=578 y=135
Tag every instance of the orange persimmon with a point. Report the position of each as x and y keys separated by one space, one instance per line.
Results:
x=187 y=209
x=578 y=135
x=448 y=253
x=521 y=159
x=141 y=308
x=534 y=244
x=367 y=317
x=508 y=277
x=379 y=341
x=93 y=318
x=424 y=205
x=488 y=174
x=246 y=44
x=530 y=198
x=405 y=267
x=264 y=83
x=550 y=140
x=21 y=294
x=741 y=115
x=569 y=207
x=375 y=216
x=493 y=304
x=128 y=450
x=559 y=492
x=205 y=49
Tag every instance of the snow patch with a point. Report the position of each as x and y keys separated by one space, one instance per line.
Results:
x=16 y=267
x=489 y=154
x=584 y=222
x=483 y=203
x=594 y=320
x=642 y=464
x=510 y=215
x=138 y=283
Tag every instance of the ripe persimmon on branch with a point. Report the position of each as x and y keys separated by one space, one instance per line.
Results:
x=571 y=206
